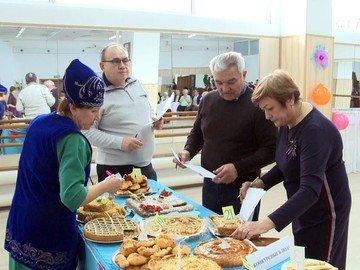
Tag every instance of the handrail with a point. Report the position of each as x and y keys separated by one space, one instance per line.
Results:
x=164 y=133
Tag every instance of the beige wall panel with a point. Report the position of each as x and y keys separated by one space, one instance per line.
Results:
x=297 y=57
x=269 y=55
x=316 y=74
x=152 y=90
x=292 y=59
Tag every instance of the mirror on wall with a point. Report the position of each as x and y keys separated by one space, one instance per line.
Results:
x=183 y=58
x=346 y=73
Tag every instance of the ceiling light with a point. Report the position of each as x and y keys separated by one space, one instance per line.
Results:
x=192 y=35
x=20 y=32
x=113 y=37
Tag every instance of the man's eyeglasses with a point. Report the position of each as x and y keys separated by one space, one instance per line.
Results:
x=117 y=61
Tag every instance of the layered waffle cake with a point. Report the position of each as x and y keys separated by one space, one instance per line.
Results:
x=110 y=229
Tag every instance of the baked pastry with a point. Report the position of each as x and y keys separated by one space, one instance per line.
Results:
x=222 y=227
x=147 y=206
x=134 y=184
x=110 y=229
x=186 y=262
x=145 y=254
x=225 y=257
x=175 y=226
x=100 y=208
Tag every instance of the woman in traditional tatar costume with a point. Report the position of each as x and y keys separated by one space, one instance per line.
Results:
x=53 y=170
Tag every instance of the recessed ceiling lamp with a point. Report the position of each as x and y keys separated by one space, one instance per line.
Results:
x=20 y=32
x=113 y=37
x=192 y=35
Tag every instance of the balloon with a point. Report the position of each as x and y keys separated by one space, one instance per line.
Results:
x=320 y=94
x=340 y=120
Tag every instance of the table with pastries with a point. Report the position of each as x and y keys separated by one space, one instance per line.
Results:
x=94 y=255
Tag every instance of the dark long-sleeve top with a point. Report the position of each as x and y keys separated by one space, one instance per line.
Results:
x=309 y=161
x=232 y=132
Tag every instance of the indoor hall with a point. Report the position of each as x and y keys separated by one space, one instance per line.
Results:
x=47 y=43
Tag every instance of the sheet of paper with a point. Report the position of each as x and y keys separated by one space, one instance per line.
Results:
x=198 y=169
x=252 y=198
x=164 y=106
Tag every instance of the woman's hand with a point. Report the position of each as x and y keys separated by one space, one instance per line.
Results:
x=113 y=183
x=253 y=229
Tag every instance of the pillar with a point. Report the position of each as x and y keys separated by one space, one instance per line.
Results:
x=306 y=29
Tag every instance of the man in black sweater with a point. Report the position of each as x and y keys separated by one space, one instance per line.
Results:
x=234 y=137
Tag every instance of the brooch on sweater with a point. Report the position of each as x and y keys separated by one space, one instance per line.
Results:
x=291 y=148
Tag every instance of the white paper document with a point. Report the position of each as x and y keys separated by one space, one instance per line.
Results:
x=252 y=198
x=164 y=106
x=196 y=168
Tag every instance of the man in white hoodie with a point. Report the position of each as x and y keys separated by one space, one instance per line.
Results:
x=34 y=99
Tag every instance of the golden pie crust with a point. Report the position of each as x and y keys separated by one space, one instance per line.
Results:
x=225 y=257
x=175 y=226
x=100 y=208
x=134 y=184
x=222 y=227
x=187 y=262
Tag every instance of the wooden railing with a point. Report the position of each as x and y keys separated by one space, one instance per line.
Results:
x=166 y=132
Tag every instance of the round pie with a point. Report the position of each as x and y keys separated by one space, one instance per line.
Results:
x=225 y=257
x=175 y=225
x=187 y=262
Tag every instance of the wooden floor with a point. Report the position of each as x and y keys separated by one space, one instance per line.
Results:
x=275 y=197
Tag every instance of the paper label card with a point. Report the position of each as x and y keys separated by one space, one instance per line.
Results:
x=159 y=220
x=271 y=255
x=247 y=265
x=229 y=214
x=136 y=172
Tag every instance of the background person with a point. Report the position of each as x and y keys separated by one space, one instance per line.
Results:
x=55 y=92
x=43 y=210
x=184 y=101
x=234 y=137
x=3 y=95
x=12 y=102
x=122 y=140
x=34 y=99
x=310 y=165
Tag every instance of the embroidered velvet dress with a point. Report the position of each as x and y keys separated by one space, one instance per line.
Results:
x=41 y=231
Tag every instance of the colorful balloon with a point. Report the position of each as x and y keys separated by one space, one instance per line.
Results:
x=340 y=120
x=320 y=94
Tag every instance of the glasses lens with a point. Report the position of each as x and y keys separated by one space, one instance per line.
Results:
x=117 y=61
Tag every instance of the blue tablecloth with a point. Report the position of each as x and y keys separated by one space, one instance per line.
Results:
x=12 y=132
x=99 y=256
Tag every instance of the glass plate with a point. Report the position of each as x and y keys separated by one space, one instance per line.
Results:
x=285 y=265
